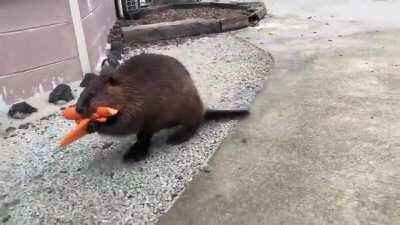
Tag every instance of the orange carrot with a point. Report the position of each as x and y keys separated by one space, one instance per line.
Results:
x=106 y=111
x=70 y=113
x=80 y=130
x=101 y=120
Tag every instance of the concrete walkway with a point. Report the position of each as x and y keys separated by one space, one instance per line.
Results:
x=322 y=145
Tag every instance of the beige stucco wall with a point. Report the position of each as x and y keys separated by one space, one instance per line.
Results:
x=98 y=16
x=38 y=47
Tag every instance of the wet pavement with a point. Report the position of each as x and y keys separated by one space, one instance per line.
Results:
x=322 y=143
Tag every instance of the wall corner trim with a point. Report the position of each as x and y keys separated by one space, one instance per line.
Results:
x=80 y=36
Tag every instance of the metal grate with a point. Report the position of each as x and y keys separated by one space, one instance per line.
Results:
x=132 y=5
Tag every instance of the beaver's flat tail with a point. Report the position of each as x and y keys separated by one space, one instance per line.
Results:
x=216 y=114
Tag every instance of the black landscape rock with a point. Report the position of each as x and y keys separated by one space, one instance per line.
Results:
x=86 y=79
x=21 y=110
x=61 y=94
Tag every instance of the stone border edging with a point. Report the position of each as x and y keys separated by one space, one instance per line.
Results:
x=169 y=30
x=192 y=27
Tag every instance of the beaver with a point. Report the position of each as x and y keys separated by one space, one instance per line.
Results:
x=152 y=92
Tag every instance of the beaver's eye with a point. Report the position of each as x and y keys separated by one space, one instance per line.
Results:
x=112 y=81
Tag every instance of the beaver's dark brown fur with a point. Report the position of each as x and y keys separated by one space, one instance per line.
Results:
x=151 y=92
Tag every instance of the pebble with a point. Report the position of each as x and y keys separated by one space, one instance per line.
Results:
x=10 y=129
x=24 y=126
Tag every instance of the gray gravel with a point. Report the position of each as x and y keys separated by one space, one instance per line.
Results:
x=88 y=184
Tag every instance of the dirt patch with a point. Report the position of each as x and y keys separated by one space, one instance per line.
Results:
x=170 y=15
x=176 y=14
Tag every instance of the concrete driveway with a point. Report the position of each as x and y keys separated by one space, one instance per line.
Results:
x=322 y=145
